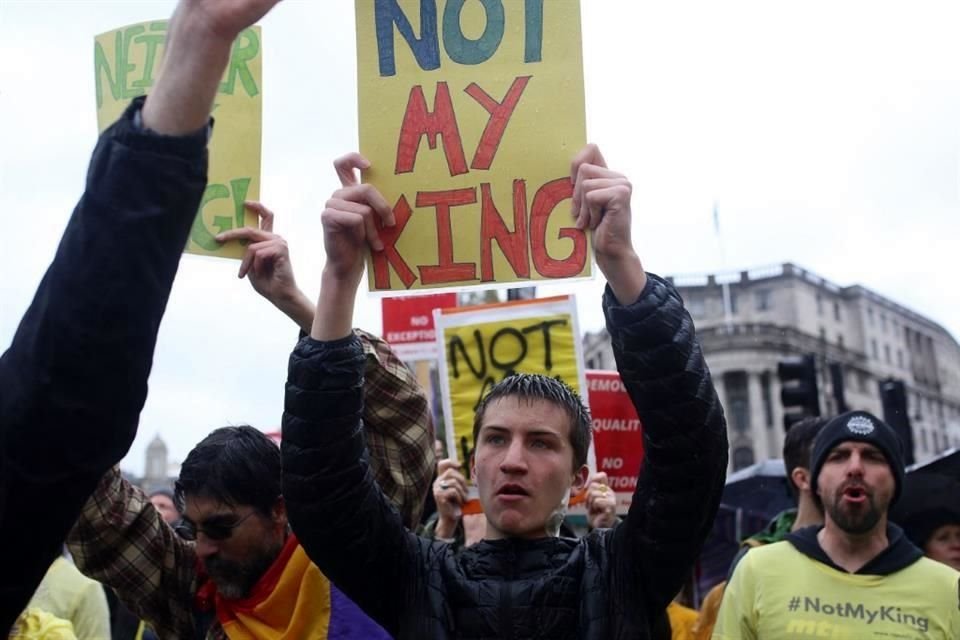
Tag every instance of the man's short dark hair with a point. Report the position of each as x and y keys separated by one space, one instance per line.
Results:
x=233 y=465
x=530 y=386
x=797 y=447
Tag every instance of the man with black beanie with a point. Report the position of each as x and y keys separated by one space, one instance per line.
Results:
x=857 y=576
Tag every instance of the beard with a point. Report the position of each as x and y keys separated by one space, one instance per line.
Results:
x=854 y=520
x=235 y=580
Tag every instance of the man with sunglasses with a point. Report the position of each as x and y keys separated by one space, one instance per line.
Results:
x=232 y=568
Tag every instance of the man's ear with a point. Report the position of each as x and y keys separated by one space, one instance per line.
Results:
x=801 y=478
x=580 y=477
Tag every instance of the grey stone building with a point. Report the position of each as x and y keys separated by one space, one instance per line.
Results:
x=781 y=311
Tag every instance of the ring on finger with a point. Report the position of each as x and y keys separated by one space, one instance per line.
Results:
x=443 y=486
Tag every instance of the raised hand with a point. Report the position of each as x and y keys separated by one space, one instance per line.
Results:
x=349 y=227
x=601 y=503
x=199 y=38
x=349 y=220
x=449 y=492
x=267 y=266
x=223 y=18
x=601 y=203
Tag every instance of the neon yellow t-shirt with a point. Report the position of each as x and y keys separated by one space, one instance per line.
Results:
x=68 y=594
x=777 y=593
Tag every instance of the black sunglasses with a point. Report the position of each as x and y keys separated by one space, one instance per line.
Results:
x=213 y=530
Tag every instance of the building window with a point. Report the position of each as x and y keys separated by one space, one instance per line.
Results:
x=738 y=402
x=926 y=442
x=823 y=334
x=936 y=441
x=883 y=322
x=742 y=458
x=767 y=393
x=873 y=348
x=836 y=311
x=886 y=353
x=762 y=299
x=870 y=318
x=733 y=302
x=862 y=382
x=900 y=358
x=840 y=341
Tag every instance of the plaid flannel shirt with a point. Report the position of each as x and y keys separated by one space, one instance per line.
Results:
x=121 y=540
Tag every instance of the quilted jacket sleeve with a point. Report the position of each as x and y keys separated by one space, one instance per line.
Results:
x=345 y=523
x=685 y=443
x=75 y=376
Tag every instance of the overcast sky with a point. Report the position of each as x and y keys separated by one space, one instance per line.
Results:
x=826 y=131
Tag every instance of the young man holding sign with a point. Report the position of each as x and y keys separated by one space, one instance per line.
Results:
x=520 y=581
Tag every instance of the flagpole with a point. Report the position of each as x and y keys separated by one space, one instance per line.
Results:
x=725 y=286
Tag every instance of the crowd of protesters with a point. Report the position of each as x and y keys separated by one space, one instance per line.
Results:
x=325 y=536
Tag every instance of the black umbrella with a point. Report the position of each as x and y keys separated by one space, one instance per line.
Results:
x=928 y=501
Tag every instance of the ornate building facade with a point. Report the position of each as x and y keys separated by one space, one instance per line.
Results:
x=748 y=321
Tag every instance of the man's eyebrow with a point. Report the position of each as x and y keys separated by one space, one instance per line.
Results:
x=493 y=427
x=527 y=434
x=543 y=432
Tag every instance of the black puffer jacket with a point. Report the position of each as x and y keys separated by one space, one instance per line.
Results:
x=608 y=585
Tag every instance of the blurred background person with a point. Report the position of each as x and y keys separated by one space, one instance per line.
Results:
x=930 y=515
x=66 y=593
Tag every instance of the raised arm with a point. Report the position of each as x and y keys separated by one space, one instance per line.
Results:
x=75 y=377
x=341 y=516
x=395 y=414
x=662 y=366
x=122 y=541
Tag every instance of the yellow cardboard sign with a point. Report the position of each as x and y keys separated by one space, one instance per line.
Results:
x=470 y=113
x=484 y=344
x=126 y=65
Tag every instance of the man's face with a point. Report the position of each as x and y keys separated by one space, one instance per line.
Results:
x=856 y=486
x=236 y=544
x=944 y=545
x=165 y=507
x=523 y=465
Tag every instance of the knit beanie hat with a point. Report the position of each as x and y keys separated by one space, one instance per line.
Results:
x=858 y=426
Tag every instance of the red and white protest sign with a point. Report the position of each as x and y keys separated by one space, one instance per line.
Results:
x=617 y=434
x=408 y=324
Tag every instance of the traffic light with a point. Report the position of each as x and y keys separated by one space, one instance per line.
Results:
x=836 y=383
x=798 y=388
x=893 y=395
